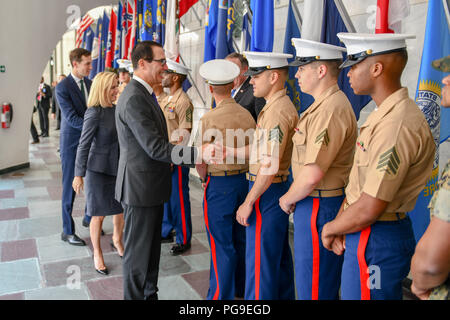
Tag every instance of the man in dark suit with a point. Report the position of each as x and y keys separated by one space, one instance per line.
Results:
x=243 y=91
x=144 y=177
x=43 y=98
x=56 y=111
x=72 y=95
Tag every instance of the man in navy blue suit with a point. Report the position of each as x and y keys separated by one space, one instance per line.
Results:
x=72 y=95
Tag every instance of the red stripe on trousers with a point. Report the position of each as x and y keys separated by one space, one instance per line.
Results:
x=183 y=213
x=257 y=249
x=213 y=243
x=316 y=252
x=363 y=269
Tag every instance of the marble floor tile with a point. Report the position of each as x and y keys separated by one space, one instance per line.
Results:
x=20 y=275
x=52 y=248
x=59 y=293
x=108 y=288
x=14 y=213
x=176 y=288
x=18 y=250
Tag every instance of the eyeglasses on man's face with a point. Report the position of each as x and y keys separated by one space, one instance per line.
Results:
x=162 y=61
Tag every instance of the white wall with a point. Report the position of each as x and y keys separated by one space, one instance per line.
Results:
x=29 y=34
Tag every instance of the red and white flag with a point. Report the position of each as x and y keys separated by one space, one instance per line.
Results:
x=128 y=27
x=185 y=5
x=390 y=14
x=172 y=41
x=84 y=24
x=111 y=45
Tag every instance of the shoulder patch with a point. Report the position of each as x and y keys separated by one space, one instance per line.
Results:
x=389 y=162
x=276 y=134
x=323 y=138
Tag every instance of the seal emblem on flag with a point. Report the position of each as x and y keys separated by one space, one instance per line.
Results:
x=429 y=101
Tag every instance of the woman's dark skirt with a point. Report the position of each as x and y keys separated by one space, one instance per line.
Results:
x=100 y=190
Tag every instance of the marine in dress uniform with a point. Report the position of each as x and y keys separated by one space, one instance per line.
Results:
x=269 y=267
x=125 y=67
x=324 y=144
x=178 y=110
x=226 y=184
x=393 y=161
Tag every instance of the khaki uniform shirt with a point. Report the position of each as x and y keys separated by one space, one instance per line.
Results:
x=178 y=112
x=161 y=97
x=326 y=135
x=394 y=154
x=273 y=135
x=213 y=127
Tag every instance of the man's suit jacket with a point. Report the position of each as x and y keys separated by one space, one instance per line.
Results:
x=246 y=99
x=45 y=102
x=144 y=175
x=98 y=149
x=72 y=105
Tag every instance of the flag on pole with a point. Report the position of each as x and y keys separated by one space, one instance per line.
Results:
x=103 y=43
x=128 y=28
x=390 y=14
x=96 y=48
x=84 y=24
x=428 y=98
x=147 y=22
x=332 y=24
x=159 y=35
x=225 y=26
x=211 y=30
x=111 y=43
x=300 y=99
x=246 y=29
x=185 y=5
x=172 y=34
x=118 y=42
x=262 y=25
x=134 y=27
x=89 y=34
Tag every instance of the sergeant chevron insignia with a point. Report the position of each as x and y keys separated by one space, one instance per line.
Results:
x=189 y=115
x=323 y=138
x=389 y=162
x=276 y=134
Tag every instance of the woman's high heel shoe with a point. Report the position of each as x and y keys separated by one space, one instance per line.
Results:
x=114 y=247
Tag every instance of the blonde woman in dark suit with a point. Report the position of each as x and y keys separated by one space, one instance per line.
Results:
x=97 y=160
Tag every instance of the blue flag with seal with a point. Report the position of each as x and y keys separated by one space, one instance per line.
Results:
x=96 y=49
x=428 y=98
x=332 y=24
x=300 y=99
x=262 y=25
x=211 y=31
x=225 y=26
x=159 y=21
x=146 y=31
x=103 y=43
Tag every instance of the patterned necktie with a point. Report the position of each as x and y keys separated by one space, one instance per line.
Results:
x=83 y=92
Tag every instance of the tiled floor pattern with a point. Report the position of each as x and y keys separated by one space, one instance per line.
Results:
x=36 y=264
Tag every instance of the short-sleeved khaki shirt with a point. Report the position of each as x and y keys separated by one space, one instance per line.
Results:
x=231 y=125
x=178 y=111
x=394 y=154
x=273 y=135
x=161 y=97
x=326 y=135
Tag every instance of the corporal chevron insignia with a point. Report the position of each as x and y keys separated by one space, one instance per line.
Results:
x=276 y=134
x=189 y=115
x=389 y=162
x=323 y=138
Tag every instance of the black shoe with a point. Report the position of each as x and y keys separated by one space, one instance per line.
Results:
x=72 y=239
x=34 y=142
x=104 y=272
x=57 y=128
x=45 y=135
x=180 y=248
x=85 y=223
x=168 y=239
x=114 y=247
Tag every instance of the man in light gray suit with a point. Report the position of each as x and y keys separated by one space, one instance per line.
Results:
x=144 y=177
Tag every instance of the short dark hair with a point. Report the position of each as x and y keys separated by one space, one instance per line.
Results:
x=240 y=57
x=77 y=54
x=143 y=50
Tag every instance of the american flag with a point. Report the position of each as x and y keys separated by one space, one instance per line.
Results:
x=84 y=24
